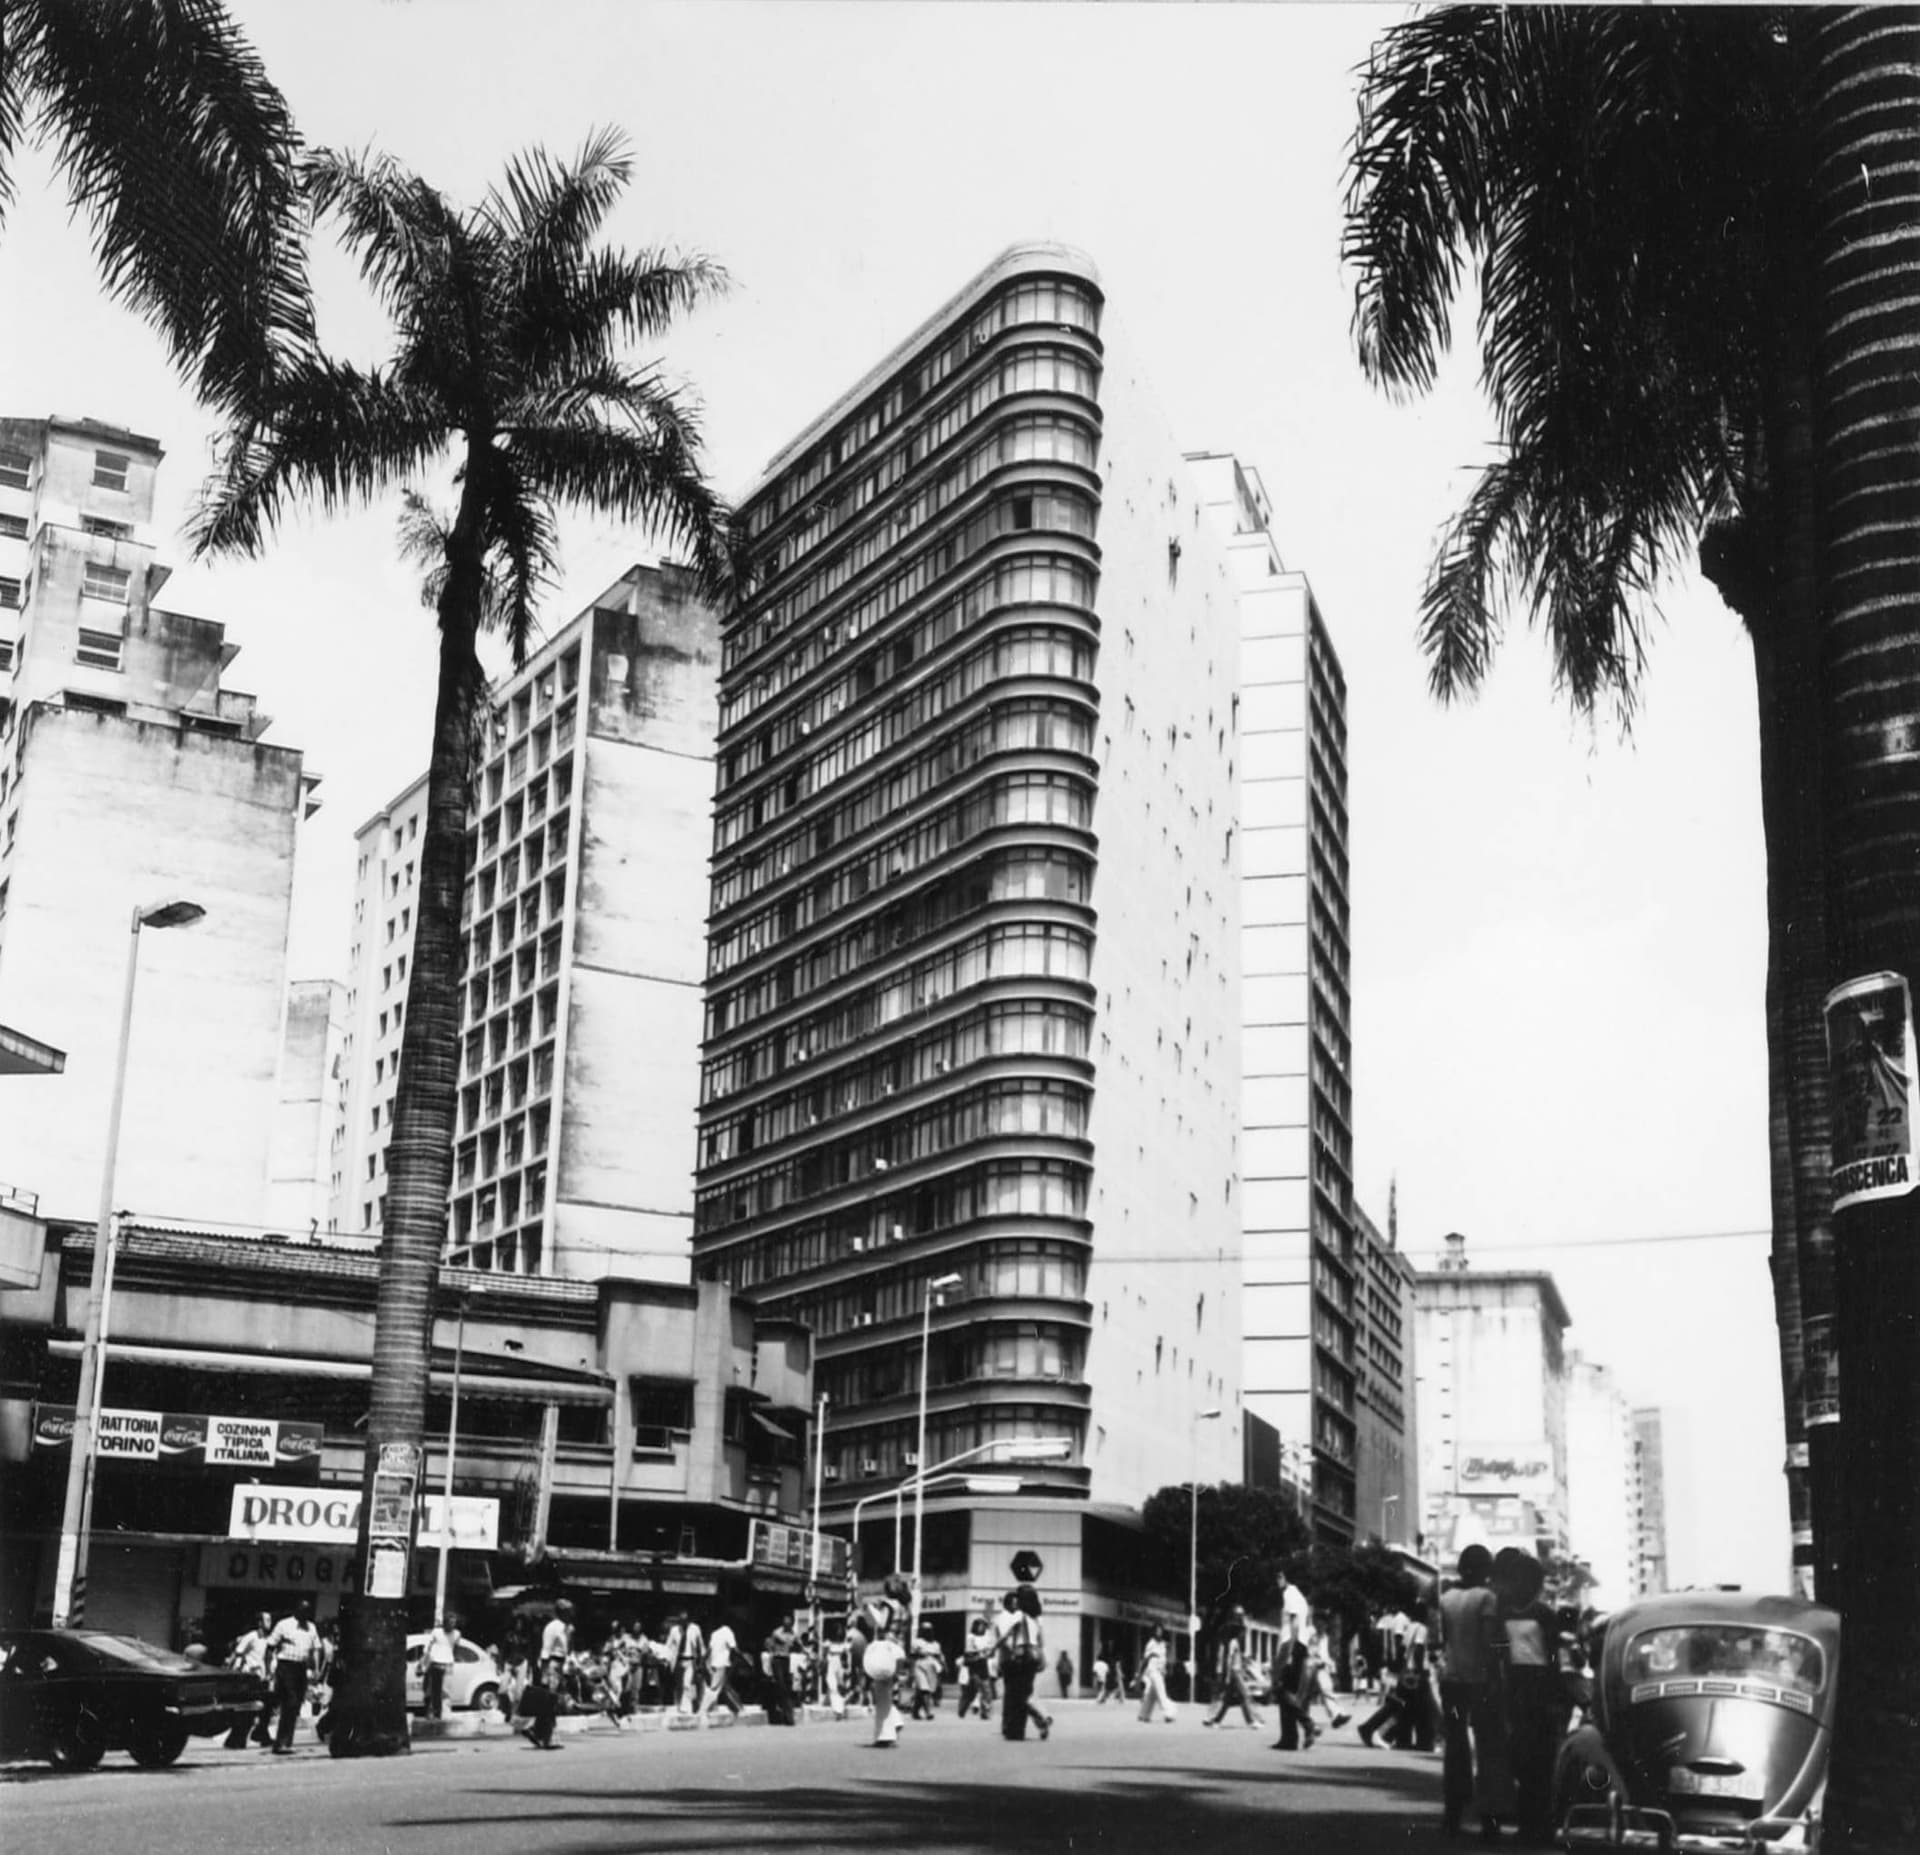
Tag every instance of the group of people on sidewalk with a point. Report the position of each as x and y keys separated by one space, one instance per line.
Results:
x=288 y=1655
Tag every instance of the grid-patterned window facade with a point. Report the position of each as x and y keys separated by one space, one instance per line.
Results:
x=896 y=1078
x=518 y=902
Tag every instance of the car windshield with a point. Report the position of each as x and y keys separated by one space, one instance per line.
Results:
x=1726 y=1652
x=140 y=1654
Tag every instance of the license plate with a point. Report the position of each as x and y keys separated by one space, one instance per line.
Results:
x=1684 y=1783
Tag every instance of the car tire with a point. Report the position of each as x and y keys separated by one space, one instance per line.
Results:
x=78 y=1746
x=156 y=1743
x=485 y=1697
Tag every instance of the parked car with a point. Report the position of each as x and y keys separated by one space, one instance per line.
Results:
x=72 y=1696
x=474 y=1680
x=1710 y=1729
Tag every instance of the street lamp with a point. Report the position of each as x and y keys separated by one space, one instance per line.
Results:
x=446 y=1499
x=939 y=1285
x=1193 y=1555
x=70 y=1575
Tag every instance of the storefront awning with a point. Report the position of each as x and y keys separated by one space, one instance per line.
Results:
x=582 y=1390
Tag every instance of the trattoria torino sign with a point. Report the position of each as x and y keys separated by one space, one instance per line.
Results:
x=331 y=1517
x=184 y=1440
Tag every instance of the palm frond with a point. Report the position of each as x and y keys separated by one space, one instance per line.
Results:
x=548 y=210
x=648 y=475
x=523 y=553
x=583 y=316
x=397 y=226
x=181 y=155
x=333 y=432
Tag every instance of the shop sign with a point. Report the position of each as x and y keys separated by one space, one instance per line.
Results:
x=183 y=1440
x=790 y=1548
x=234 y=1566
x=1506 y=1468
x=331 y=1516
x=1874 y=1087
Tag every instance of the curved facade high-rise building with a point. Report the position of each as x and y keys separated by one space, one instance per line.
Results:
x=971 y=1000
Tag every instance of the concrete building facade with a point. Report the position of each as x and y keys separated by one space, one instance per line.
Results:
x=130 y=777
x=386 y=889
x=621 y=1443
x=972 y=1001
x=585 y=931
x=1387 y=1472
x=1491 y=1409
x=1649 y=1429
x=312 y=1067
x=1301 y=1362
x=586 y=903
x=1605 y=1485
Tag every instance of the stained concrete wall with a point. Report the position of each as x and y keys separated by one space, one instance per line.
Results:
x=1165 y=1202
x=300 y=1175
x=112 y=815
x=622 y=1193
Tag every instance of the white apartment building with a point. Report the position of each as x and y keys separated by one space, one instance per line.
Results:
x=386 y=889
x=1606 y=1517
x=129 y=778
x=586 y=946
x=1298 y=1352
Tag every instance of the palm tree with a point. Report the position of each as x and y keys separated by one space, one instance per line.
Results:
x=1866 y=187
x=1648 y=352
x=181 y=155
x=510 y=329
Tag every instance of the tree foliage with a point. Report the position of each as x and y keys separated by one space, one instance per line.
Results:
x=510 y=369
x=180 y=155
x=1247 y=1537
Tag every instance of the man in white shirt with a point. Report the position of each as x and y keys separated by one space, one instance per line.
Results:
x=436 y=1663
x=720 y=1647
x=292 y=1650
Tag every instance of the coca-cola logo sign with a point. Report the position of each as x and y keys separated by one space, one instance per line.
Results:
x=299 y=1441
x=52 y=1427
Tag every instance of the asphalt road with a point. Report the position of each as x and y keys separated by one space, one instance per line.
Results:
x=1103 y=1782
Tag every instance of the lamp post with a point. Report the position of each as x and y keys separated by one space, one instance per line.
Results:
x=1193 y=1556
x=939 y=1285
x=70 y=1574
x=446 y=1499
x=813 y=1557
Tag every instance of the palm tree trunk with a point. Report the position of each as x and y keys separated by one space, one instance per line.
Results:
x=1866 y=87
x=370 y=1717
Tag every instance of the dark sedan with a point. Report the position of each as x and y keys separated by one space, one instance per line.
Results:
x=72 y=1696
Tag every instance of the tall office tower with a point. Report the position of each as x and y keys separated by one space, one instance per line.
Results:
x=972 y=1032
x=130 y=779
x=1298 y=1360
x=586 y=904
x=1605 y=1484
x=1387 y=1471
x=386 y=891
x=1651 y=1569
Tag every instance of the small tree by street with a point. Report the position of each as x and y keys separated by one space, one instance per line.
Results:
x=509 y=367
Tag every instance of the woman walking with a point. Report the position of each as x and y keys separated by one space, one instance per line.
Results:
x=882 y=1624
x=1236 y=1676
x=1153 y=1678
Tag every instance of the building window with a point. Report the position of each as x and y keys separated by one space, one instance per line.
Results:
x=106 y=530
x=10 y=594
x=6 y=663
x=16 y=469
x=102 y=582
x=13 y=527
x=99 y=650
x=110 y=470
x=662 y=1408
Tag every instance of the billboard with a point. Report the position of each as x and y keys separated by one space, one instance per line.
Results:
x=1524 y=1469
x=183 y=1440
x=331 y=1517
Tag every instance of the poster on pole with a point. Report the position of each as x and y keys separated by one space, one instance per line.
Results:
x=1874 y=1083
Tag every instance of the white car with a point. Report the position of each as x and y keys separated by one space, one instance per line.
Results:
x=473 y=1680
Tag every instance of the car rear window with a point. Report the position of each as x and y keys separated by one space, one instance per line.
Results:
x=1726 y=1652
